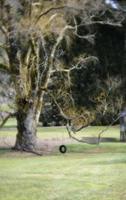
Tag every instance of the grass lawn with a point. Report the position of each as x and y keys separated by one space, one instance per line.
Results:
x=60 y=132
x=86 y=175
x=85 y=172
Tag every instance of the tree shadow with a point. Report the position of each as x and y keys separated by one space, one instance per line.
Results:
x=4 y=150
x=94 y=140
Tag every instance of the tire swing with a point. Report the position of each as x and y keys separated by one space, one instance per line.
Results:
x=62 y=149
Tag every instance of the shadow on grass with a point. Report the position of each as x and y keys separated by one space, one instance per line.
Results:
x=111 y=162
x=103 y=147
x=4 y=150
x=12 y=153
x=94 y=140
x=8 y=127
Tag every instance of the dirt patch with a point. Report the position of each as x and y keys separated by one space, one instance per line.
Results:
x=45 y=146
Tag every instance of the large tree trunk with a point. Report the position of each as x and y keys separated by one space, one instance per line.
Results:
x=27 y=128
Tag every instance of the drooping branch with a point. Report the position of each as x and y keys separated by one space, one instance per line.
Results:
x=59 y=108
x=69 y=126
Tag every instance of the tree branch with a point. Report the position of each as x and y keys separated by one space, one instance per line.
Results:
x=69 y=119
x=3 y=29
x=68 y=127
x=6 y=119
x=59 y=108
x=56 y=8
x=2 y=46
x=4 y=67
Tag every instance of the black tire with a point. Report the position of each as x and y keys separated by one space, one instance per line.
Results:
x=62 y=149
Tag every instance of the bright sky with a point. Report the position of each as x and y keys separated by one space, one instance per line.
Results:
x=113 y=3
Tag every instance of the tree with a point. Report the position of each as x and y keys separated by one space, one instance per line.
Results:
x=33 y=41
x=30 y=47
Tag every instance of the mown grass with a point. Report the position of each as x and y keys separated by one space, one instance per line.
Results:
x=90 y=176
x=11 y=123
x=9 y=129
x=90 y=172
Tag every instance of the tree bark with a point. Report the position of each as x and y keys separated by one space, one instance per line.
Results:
x=123 y=128
x=27 y=128
x=123 y=136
